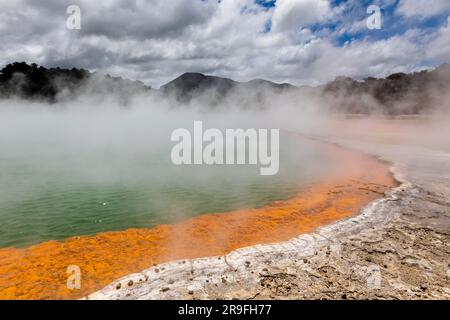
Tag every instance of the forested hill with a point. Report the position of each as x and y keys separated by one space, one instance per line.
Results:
x=400 y=93
x=37 y=83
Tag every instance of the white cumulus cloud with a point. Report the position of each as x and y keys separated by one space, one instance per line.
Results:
x=295 y=14
x=422 y=8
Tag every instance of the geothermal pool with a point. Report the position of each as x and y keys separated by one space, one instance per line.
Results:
x=104 y=186
x=55 y=187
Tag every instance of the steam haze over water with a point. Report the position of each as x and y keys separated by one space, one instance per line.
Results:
x=88 y=169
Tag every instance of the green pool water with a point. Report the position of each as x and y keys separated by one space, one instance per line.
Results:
x=70 y=184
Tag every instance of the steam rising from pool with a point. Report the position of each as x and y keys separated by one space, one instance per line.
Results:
x=84 y=167
x=91 y=165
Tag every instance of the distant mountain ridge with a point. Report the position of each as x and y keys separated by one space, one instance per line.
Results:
x=190 y=85
x=399 y=93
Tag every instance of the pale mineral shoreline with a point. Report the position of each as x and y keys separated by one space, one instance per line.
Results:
x=397 y=247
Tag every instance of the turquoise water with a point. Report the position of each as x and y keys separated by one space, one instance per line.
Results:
x=54 y=188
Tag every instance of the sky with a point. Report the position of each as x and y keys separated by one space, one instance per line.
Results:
x=296 y=41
